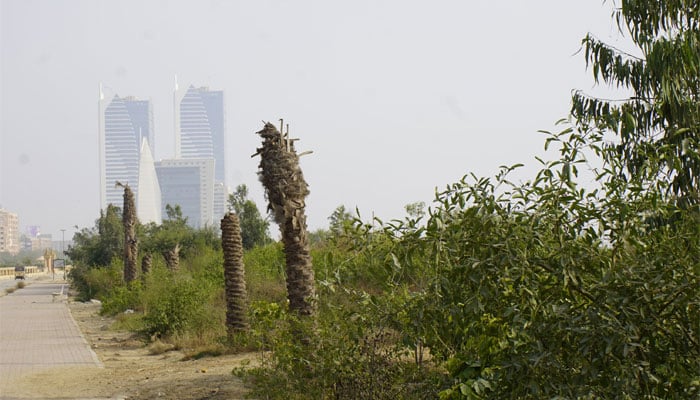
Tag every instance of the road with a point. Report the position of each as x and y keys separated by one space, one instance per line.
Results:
x=37 y=332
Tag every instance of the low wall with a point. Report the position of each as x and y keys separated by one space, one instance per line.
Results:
x=11 y=270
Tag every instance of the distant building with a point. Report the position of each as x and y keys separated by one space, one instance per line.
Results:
x=148 y=199
x=188 y=183
x=124 y=122
x=42 y=242
x=200 y=127
x=220 y=201
x=9 y=232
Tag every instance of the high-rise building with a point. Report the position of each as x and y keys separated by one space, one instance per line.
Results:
x=220 y=200
x=123 y=124
x=9 y=232
x=200 y=126
x=188 y=183
x=148 y=199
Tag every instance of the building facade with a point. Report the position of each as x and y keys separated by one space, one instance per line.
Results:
x=9 y=232
x=124 y=122
x=220 y=200
x=188 y=183
x=200 y=127
x=148 y=199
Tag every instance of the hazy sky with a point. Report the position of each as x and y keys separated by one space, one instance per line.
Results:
x=395 y=98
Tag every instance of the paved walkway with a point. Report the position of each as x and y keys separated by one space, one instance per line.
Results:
x=37 y=332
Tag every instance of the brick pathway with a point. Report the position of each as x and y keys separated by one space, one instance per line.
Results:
x=38 y=333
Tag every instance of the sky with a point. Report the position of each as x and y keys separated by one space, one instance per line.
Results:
x=394 y=97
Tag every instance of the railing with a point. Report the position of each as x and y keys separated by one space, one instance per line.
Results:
x=11 y=270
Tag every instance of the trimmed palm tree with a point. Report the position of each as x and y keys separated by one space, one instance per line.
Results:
x=146 y=263
x=286 y=191
x=234 y=275
x=130 y=242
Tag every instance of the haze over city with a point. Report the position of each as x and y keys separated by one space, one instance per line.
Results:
x=395 y=98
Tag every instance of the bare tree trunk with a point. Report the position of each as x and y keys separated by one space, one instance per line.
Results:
x=234 y=275
x=172 y=258
x=130 y=242
x=286 y=192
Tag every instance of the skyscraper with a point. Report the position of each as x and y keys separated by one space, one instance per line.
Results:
x=200 y=127
x=188 y=183
x=123 y=123
x=148 y=199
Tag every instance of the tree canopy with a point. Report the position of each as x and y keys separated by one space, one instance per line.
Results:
x=254 y=228
x=658 y=124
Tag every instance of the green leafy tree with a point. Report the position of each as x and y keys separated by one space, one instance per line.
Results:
x=169 y=238
x=340 y=220
x=658 y=124
x=254 y=228
x=99 y=245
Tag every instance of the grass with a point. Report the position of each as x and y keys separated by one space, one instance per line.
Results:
x=21 y=285
x=10 y=290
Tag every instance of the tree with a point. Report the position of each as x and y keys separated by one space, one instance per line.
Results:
x=286 y=192
x=97 y=246
x=254 y=228
x=130 y=242
x=234 y=275
x=339 y=220
x=658 y=125
x=169 y=236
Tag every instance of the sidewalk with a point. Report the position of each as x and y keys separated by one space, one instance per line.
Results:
x=38 y=333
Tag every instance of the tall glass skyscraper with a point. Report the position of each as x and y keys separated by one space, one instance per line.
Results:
x=188 y=183
x=123 y=123
x=200 y=127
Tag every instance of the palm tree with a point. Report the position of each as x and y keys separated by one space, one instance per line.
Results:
x=146 y=263
x=130 y=242
x=234 y=275
x=286 y=191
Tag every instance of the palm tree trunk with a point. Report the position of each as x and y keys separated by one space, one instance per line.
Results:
x=146 y=263
x=130 y=242
x=172 y=257
x=286 y=192
x=234 y=275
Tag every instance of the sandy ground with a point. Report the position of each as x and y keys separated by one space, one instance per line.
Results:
x=130 y=371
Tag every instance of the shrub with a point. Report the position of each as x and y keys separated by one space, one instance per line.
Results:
x=264 y=267
x=179 y=304
x=96 y=282
x=121 y=298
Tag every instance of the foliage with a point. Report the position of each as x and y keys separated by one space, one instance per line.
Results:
x=254 y=228
x=93 y=247
x=352 y=355
x=264 y=267
x=23 y=258
x=96 y=282
x=340 y=220
x=658 y=125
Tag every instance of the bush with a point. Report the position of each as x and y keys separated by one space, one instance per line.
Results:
x=96 y=282
x=354 y=353
x=177 y=304
x=121 y=298
x=265 y=275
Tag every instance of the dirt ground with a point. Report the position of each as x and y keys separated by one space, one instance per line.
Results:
x=131 y=372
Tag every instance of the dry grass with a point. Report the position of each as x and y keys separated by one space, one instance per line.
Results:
x=158 y=347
